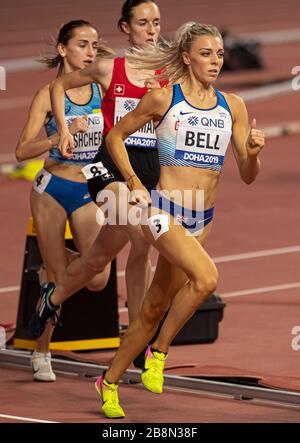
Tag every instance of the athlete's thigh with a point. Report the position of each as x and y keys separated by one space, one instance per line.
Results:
x=108 y=243
x=84 y=226
x=182 y=250
x=113 y=202
x=50 y=224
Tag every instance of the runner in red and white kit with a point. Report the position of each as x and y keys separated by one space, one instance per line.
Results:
x=123 y=87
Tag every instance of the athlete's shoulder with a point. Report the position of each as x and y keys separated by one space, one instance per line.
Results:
x=235 y=102
x=41 y=99
x=43 y=92
x=160 y=95
x=233 y=99
x=157 y=101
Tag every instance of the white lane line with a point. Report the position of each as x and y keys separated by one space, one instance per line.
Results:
x=34 y=420
x=222 y=259
x=9 y=289
x=22 y=64
x=261 y=290
x=244 y=256
x=257 y=254
x=274 y=37
x=267 y=37
x=123 y=310
x=269 y=91
x=253 y=94
x=249 y=291
x=224 y=294
x=7 y=157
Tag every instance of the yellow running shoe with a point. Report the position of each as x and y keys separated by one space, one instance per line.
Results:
x=152 y=376
x=109 y=396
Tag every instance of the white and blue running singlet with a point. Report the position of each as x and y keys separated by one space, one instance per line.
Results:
x=87 y=143
x=189 y=136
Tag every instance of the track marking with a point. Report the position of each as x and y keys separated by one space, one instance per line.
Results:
x=266 y=37
x=253 y=94
x=257 y=254
x=252 y=291
x=244 y=256
x=34 y=420
x=21 y=64
x=269 y=91
x=9 y=289
x=261 y=290
x=222 y=259
x=274 y=37
x=7 y=157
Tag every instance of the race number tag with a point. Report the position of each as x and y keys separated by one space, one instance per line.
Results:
x=94 y=170
x=201 y=144
x=158 y=224
x=87 y=143
x=41 y=181
x=144 y=137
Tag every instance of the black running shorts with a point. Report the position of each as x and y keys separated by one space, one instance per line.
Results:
x=144 y=162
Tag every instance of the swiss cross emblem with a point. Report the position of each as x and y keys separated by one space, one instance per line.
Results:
x=119 y=89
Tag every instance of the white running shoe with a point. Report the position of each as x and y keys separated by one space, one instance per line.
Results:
x=41 y=366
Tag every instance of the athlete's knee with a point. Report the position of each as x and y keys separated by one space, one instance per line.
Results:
x=97 y=264
x=206 y=285
x=99 y=282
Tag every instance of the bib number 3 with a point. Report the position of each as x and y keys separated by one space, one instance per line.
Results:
x=158 y=224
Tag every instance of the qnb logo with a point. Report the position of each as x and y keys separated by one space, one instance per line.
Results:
x=296 y=340
x=2 y=79
x=193 y=120
x=129 y=105
x=296 y=80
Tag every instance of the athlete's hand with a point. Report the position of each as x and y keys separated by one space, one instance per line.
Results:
x=140 y=198
x=256 y=140
x=66 y=143
x=79 y=124
x=139 y=195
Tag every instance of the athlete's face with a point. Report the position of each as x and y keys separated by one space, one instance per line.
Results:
x=144 y=26
x=205 y=58
x=81 y=49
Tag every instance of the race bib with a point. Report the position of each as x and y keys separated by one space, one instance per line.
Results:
x=94 y=170
x=201 y=144
x=158 y=224
x=41 y=181
x=87 y=143
x=144 y=137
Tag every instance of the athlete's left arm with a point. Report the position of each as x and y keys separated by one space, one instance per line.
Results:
x=247 y=143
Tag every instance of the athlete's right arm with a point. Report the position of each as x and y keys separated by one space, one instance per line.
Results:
x=151 y=107
x=98 y=72
x=28 y=146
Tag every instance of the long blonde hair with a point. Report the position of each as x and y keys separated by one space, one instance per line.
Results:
x=169 y=59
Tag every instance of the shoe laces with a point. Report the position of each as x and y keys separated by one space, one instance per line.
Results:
x=48 y=358
x=158 y=361
x=113 y=392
